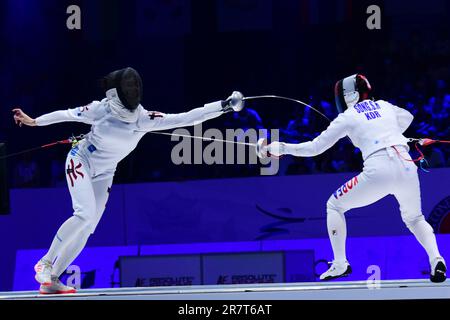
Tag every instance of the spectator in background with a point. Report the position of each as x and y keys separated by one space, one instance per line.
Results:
x=247 y=120
x=57 y=173
x=342 y=158
x=435 y=157
x=26 y=172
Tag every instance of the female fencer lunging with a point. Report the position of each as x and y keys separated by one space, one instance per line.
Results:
x=376 y=128
x=117 y=122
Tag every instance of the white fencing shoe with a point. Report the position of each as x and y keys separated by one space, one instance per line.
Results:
x=43 y=272
x=438 y=270
x=337 y=270
x=56 y=287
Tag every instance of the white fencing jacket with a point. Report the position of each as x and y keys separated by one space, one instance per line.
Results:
x=110 y=139
x=370 y=125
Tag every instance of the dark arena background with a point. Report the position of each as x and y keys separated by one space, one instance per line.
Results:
x=221 y=231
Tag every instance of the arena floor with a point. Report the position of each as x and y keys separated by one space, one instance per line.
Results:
x=354 y=290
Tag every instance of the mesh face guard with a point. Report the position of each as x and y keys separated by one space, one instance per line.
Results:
x=351 y=90
x=128 y=84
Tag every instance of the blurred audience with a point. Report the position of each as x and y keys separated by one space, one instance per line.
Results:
x=26 y=172
x=412 y=72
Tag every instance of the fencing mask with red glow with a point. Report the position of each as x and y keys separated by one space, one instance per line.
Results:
x=350 y=91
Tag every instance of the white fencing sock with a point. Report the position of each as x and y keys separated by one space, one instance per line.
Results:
x=64 y=236
x=69 y=253
x=425 y=235
x=337 y=231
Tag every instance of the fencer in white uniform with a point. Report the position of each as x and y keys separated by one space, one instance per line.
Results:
x=118 y=122
x=376 y=128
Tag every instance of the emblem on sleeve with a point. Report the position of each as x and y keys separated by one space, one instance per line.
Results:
x=83 y=109
x=154 y=114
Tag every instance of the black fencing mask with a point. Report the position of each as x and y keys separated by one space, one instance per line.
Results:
x=128 y=84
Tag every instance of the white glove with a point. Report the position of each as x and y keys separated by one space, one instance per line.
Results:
x=235 y=102
x=276 y=149
x=263 y=150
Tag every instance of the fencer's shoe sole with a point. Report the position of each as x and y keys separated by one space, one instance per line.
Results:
x=58 y=292
x=45 y=290
x=345 y=274
x=439 y=273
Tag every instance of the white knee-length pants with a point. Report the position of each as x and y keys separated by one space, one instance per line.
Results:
x=385 y=172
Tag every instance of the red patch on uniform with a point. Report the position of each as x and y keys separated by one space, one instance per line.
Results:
x=85 y=108
x=73 y=173
x=346 y=187
x=154 y=114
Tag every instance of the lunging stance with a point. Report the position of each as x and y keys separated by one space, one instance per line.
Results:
x=376 y=128
x=117 y=122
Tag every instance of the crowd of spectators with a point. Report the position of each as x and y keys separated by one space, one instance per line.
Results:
x=301 y=124
x=408 y=68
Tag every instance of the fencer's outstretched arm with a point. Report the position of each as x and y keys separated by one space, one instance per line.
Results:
x=335 y=131
x=154 y=121
x=86 y=114
x=148 y=120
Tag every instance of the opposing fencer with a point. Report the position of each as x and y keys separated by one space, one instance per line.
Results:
x=118 y=122
x=376 y=128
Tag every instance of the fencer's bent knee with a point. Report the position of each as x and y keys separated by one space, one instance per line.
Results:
x=332 y=205
x=411 y=221
x=87 y=215
x=86 y=223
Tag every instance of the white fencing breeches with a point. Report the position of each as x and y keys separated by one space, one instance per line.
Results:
x=89 y=197
x=385 y=172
